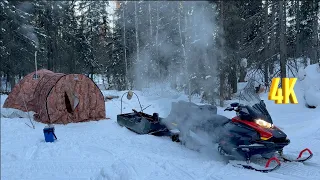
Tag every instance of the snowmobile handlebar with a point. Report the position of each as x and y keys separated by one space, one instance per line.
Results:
x=236 y=109
x=229 y=109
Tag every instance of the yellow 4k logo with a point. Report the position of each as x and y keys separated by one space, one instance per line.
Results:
x=284 y=94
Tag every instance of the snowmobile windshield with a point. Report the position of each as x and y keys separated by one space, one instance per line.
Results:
x=262 y=109
x=251 y=113
x=248 y=97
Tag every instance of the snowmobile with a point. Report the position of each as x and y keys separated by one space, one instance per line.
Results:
x=252 y=132
x=249 y=134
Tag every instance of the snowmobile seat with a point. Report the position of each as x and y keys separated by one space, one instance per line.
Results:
x=183 y=112
x=214 y=122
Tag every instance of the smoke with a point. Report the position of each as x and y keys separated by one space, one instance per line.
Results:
x=199 y=126
x=29 y=32
x=178 y=47
x=181 y=48
x=25 y=10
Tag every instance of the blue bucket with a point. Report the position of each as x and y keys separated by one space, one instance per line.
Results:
x=49 y=135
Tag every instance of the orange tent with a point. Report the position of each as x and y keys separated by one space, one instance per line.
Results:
x=58 y=98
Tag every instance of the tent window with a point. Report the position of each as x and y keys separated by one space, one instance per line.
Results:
x=68 y=104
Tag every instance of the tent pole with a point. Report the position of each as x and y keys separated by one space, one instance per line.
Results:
x=35 y=63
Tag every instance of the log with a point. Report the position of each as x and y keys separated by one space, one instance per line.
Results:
x=110 y=97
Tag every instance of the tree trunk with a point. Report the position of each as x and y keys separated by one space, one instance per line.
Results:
x=266 y=49
x=272 y=51
x=125 y=46
x=1 y=81
x=314 y=57
x=186 y=46
x=234 y=81
x=243 y=74
x=283 y=40
x=12 y=82
x=157 y=36
x=242 y=70
x=49 y=40
x=136 y=30
x=221 y=68
x=297 y=27
x=150 y=48
x=185 y=69
x=150 y=19
x=7 y=80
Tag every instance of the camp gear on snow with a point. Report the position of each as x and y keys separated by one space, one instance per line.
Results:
x=142 y=123
x=129 y=96
x=58 y=98
x=110 y=97
x=49 y=134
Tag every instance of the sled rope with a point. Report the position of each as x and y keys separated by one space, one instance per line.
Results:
x=54 y=135
x=52 y=131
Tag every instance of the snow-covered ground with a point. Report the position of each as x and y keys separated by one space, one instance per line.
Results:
x=105 y=151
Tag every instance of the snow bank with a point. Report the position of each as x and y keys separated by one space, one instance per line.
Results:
x=310 y=83
x=12 y=113
x=15 y=113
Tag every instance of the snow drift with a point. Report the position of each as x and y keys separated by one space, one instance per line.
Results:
x=310 y=82
x=15 y=113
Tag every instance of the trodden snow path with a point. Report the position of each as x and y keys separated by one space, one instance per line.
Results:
x=105 y=151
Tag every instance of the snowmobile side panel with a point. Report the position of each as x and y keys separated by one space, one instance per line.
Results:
x=238 y=134
x=239 y=139
x=263 y=133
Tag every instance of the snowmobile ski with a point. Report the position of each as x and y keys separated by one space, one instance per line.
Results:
x=252 y=166
x=255 y=167
x=299 y=159
x=155 y=132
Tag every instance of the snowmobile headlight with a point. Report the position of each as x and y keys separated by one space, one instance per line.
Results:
x=263 y=123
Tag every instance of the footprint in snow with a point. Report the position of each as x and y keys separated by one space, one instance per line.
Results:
x=119 y=170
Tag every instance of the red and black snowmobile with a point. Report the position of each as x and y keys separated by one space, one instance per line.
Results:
x=245 y=138
x=251 y=133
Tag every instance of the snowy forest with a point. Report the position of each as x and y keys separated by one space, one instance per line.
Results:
x=198 y=47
